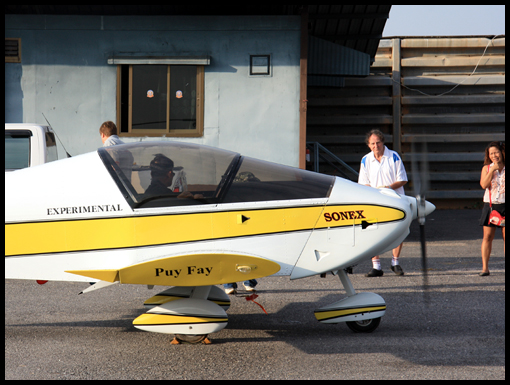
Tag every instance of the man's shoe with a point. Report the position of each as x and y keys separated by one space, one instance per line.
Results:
x=375 y=273
x=249 y=288
x=397 y=270
x=230 y=291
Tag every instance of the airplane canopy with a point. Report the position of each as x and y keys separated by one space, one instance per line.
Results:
x=159 y=174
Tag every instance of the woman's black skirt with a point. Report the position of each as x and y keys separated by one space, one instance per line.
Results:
x=484 y=219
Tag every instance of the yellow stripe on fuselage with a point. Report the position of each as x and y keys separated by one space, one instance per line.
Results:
x=139 y=231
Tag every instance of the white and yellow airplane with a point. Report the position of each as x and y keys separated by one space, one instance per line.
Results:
x=192 y=217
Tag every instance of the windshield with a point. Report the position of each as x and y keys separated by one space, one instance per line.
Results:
x=159 y=174
x=17 y=149
x=258 y=180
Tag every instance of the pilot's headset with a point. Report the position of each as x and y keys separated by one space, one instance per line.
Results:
x=161 y=165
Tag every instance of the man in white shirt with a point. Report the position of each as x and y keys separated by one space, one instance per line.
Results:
x=383 y=168
x=124 y=159
x=108 y=132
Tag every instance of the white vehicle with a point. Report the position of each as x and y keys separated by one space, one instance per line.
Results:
x=28 y=145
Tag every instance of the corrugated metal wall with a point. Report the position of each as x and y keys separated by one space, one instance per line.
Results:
x=421 y=90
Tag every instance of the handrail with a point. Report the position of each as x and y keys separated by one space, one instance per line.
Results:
x=317 y=148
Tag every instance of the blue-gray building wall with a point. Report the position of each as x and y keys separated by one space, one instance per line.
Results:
x=64 y=73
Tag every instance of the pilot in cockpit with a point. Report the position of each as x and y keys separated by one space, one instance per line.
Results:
x=162 y=176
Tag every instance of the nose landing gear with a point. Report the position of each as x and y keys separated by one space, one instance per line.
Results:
x=362 y=312
x=367 y=326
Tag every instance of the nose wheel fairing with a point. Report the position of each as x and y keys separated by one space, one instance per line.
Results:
x=362 y=312
x=360 y=307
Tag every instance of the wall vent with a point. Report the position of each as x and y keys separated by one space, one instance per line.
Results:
x=12 y=50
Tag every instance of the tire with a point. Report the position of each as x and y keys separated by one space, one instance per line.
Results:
x=367 y=326
x=189 y=339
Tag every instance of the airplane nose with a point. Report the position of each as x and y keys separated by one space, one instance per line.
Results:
x=429 y=208
x=417 y=210
x=424 y=210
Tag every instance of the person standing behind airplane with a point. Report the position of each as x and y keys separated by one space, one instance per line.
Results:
x=383 y=168
x=124 y=159
x=493 y=181
x=108 y=132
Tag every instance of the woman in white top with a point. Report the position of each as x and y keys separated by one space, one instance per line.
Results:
x=493 y=181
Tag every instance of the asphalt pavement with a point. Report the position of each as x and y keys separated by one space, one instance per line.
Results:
x=455 y=331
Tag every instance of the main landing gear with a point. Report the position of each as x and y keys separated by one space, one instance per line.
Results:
x=192 y=313
x=188 y=339
x=361 y=312
x=189 y=313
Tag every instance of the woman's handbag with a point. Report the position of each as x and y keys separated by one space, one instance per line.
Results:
x=495 y=218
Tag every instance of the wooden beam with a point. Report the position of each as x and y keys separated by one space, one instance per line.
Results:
x=396 y=97
x=303 y=102
x=450 y=157
x=350 y=101
x=448 y=61
x=350 y=119
x=432 y=157
x=454 y=119
x=454 y=100
x=446 y=81
x=449 y=43
x=343 y=139
x=455 y=194
x=463 y=176
x=453 y=138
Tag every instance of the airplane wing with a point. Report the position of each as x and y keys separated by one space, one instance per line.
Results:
x=188 y=270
